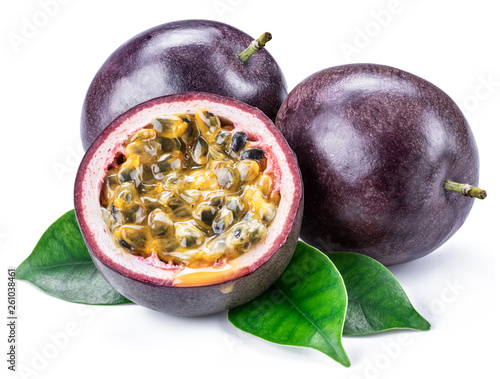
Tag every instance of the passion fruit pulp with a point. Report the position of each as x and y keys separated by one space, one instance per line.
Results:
x=235 y=237
x=197 y=204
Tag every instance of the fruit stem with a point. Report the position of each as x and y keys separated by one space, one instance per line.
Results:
x=255 y=46
x=465 y=189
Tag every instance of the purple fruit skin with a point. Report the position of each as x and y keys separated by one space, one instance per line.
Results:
x=375 y=145
x=208 y=299
x=205 y=300
x=181 y=56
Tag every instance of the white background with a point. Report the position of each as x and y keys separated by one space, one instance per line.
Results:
x=454 y=44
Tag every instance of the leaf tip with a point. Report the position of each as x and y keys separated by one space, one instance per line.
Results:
x=346 y=363
x=426 y=325
x=20 y=273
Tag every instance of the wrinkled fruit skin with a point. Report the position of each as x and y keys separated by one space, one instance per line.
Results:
x=375 y=145
x=136 y=284
x=182 y=56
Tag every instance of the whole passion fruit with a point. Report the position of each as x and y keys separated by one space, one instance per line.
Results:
x=182 y=56
x=382 y=152
x=190 y=203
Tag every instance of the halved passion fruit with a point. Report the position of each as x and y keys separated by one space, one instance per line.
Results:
x=190 y=204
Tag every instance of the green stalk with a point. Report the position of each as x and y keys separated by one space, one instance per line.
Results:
x=255 y=46
x=465 y=189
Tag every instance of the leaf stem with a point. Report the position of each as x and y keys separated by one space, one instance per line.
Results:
x=255 y=46
x=465 y=189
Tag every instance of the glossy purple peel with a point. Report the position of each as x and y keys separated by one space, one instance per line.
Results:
x=181 y=56
x=376 y=146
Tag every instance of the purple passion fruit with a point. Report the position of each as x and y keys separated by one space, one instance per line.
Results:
x=190 y=203
x=182 y=56
x=381 y=152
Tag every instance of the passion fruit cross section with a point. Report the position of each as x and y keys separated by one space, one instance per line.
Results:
x=191 y=189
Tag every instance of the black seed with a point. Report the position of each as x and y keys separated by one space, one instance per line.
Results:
x=217 y=154
x=218 y=248
x=191 y=198
x=125 y=244
x=147 y=150
x=179 y=208
x=189 y=236
x=207 y=215
x=166 y=125
x=235 y=205
x=126 y=191
x=239 y=236
x=133 y=213
x=115 y=213
x=112 y=181
x=165 y=164
x=147 y=188
x=160 y=224
x=238 y=141
x=222 y=139
x=166 y=245
x=164 y=122
x=225 y=176
x=169 y=145
x=151 y=203
x=173 y=180
x=190 y=240
x=200 y=152
x=143 y=135
x=160 y=230
x=219 y=226
x=170 y=255
x=109 y=186
x=267 y=212
x=131 y=238
x=126 y=194
x=191 y=132
x=257 y=232
x=128 y=173
x=255 y=154
x=217 y=201
x=147 y=173
x=222 y=221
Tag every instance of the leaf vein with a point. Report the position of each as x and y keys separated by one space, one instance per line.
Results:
x=71 y=264
x=321 y=332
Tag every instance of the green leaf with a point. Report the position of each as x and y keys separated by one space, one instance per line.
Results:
x=377 y=301
x=60 y=265
x=305 y=307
